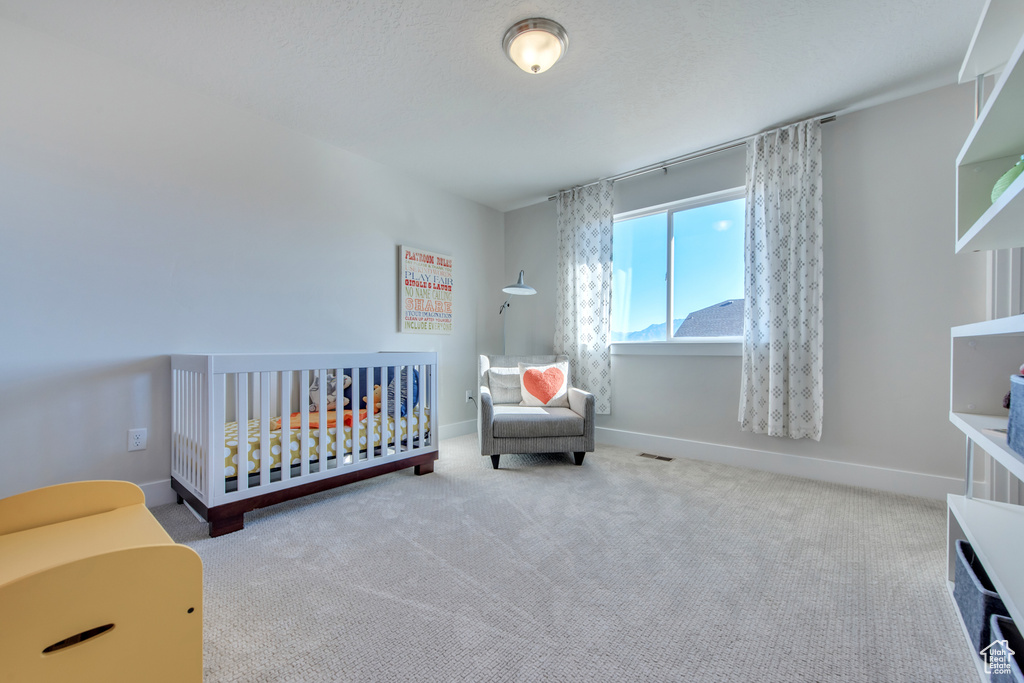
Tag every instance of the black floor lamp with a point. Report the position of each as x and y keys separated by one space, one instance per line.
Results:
x=519 y=288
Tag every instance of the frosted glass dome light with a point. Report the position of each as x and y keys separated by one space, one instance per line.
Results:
x=535 y=44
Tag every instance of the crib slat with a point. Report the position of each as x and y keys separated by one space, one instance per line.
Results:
x=357 y=402
x=242 y=421
x=176 y=386
x=187 y=459
x=410 y=411
x=196 y=436
x=212 y=451
x=321 y=401
x=396 y=438
x=396 y=412
x=375 y=439
x=285 y=405
x=188 y=436
x=421 y=369
x=304 y=422
x=181 y=458
x=266 y=456
x=385 y=411
x=424 y=417
x=371 y=402
x=333 y=457
x=202 y=406
x=339 y=415
x=365 y=449
x=427 y=389
x=409 y=407
x=398 y=409
x=205 y=469
x=434 y=405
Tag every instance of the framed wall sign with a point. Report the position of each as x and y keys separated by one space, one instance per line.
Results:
x=425 y=287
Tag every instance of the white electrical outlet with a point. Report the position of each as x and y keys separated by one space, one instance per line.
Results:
x=136 y=439
x=469 y=395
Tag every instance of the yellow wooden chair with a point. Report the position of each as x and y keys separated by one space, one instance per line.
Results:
x=93 y=589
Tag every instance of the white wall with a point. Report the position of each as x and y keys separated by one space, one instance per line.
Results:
x=530 y=246
x=139 y=219
x=893 y=288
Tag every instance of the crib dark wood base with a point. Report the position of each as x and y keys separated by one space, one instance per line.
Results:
x=224 y=519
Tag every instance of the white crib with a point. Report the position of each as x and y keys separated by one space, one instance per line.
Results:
x=293 y=450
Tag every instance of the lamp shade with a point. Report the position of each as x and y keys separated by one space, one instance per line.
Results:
x=519 y=287
x=535 y=44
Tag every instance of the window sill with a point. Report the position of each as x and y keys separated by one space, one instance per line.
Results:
x=732 y=347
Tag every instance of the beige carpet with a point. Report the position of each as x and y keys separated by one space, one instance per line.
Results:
x=624 y=569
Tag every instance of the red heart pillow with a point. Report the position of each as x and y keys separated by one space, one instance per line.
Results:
x=545 y=385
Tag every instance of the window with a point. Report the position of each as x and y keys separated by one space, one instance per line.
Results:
x=680 y=263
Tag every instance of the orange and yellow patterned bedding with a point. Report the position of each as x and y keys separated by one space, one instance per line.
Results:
x=295 y=446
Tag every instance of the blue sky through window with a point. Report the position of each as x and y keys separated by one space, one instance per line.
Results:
x=708 y=257
x=639 y=250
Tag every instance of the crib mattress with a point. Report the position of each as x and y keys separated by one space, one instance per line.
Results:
x=252 y=447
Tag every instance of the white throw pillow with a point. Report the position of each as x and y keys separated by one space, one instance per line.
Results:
x=504 y=384
x=545 y=385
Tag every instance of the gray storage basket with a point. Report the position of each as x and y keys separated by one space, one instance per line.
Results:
x=1003 y=628
x=1015 y=425
x=975 y=595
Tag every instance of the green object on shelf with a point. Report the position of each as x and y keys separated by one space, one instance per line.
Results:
x=1007 y=179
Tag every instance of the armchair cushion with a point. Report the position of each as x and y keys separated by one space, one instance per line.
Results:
x=535 y=422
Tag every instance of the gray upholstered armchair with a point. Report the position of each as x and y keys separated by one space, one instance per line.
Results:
x=504 y=426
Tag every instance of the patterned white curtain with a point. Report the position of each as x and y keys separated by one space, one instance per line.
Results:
x=584 y=292
x=781 y=394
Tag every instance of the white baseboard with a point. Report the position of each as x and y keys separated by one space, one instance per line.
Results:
x=450 y=431
x=159 y=493
x=868 y=476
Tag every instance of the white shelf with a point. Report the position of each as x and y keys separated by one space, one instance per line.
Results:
x=984 y=355
x=996 y=532
x=982 y=429
x=991 y=328
x=1002 y=224
x=997 y=132
x=994 y=145
x=1000 y=25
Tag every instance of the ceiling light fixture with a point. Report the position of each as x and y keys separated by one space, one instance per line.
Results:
x=535 y=44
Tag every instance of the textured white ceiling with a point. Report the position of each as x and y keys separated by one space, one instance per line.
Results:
x=423 y=86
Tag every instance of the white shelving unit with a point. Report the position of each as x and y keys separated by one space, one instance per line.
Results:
x=1000 y=26
x=995 y=144
x=984 y=355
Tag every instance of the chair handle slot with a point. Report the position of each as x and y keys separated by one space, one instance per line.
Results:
x=77 y=638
